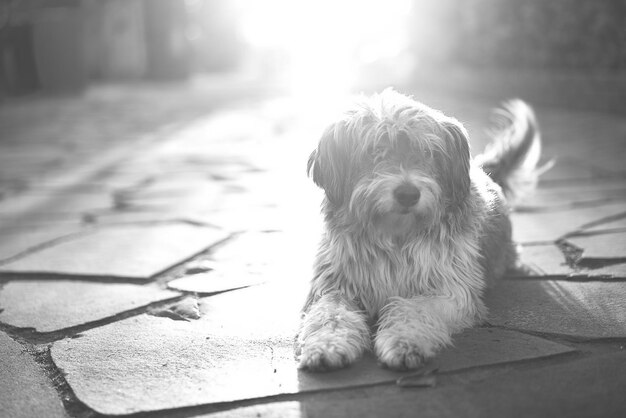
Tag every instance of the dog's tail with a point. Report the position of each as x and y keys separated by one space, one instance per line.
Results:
x=512 y=157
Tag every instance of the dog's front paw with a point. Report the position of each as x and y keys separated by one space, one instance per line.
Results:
x=333 y=334
x=324 y=353
x=401 y=352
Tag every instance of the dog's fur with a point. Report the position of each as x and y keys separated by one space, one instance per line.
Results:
x=410 y=265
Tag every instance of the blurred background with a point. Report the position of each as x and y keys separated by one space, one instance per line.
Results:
x=561 y=52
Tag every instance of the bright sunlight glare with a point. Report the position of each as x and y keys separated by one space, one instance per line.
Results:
x=323 y=43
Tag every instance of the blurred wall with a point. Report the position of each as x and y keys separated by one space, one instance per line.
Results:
x=564 y=52
x=41 y=46
x=133 y=39
x=554 y=35
x=114 y=38
x=62 y=45
x=549 y=35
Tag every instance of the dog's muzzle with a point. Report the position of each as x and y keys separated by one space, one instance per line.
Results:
x=407 y=195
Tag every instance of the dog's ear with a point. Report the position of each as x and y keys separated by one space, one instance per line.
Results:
x=329 y=165
x=455 y=163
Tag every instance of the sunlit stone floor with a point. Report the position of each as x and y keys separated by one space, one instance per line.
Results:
x=159 y=267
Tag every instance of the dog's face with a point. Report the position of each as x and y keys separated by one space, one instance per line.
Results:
x=393 y=164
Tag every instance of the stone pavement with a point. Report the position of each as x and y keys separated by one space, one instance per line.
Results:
x=154 y=263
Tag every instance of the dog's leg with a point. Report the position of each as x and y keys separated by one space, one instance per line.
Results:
x=412 y=330
x=333 y=334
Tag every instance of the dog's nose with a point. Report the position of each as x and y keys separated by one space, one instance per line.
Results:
x=407 y=195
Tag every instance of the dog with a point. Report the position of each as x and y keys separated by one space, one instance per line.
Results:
x=414 y=229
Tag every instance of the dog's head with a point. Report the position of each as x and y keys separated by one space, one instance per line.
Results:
x=393 y=163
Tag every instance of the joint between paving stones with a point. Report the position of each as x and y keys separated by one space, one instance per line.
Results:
x=31 y=336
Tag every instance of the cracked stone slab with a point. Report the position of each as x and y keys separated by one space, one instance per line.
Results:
x=603 y=246
x=47 y=305
x=240 y=348
x=137 y=252
x=25 y=391
x=585 y=310
x=550 y=226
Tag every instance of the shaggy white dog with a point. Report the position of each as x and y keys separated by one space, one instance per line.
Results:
x=414 y=229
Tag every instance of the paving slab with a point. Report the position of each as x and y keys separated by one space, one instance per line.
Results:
x=610 y=270
x=137 y=252
x=587 y=138
x=17 y=240
x=273 y=248
x=183 y=310
x=146 y=216
x=618 y=224
x=550 y=226
x=224 y=213
x=573 y=195
x=59 y=202
x=240 y=348
x=489 y=346
x=199 y=265
x=544 y=260
x=25 y=391
x=218 y=280
x=37 y=219
x=585 y=310
x=602 y=247
x=288 y=409
x=251 y=250
x=171 y=194
x=581 y=388
x=571 y=170
x=548 y=261
x=115 y=178
x=246 y=219
x=51 y=305
x=275 y=255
